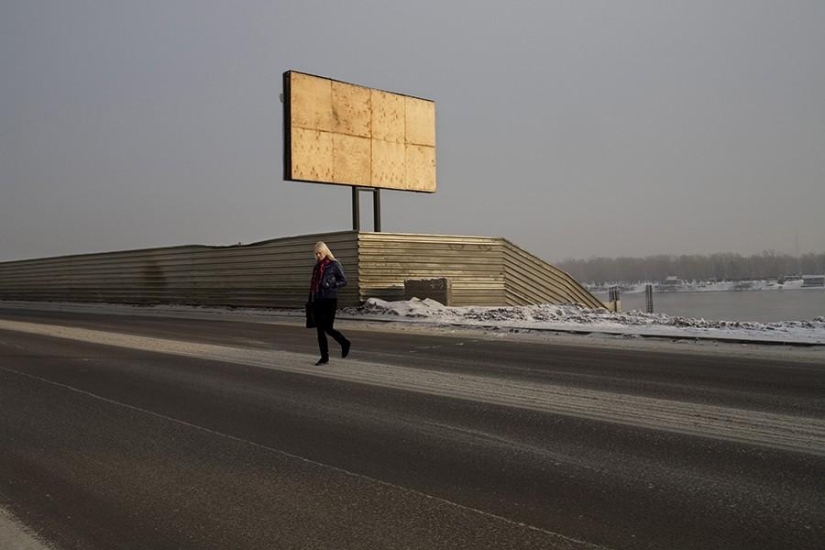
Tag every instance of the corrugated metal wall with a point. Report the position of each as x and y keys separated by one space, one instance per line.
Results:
x=483 y=270
x=473 y=265
x=530 y=280
x=275 y=273
x=271 y=273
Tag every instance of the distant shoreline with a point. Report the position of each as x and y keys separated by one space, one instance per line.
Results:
x=701 y=286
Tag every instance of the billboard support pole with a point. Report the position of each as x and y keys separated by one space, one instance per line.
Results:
x=376 y=209
x=356 y=210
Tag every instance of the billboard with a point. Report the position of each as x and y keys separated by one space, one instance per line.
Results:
x=341 y=133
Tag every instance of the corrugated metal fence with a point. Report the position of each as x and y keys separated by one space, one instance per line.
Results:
x=473 y=265
x=275 y=273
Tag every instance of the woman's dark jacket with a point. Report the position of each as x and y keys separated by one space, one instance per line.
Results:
x=332 y=280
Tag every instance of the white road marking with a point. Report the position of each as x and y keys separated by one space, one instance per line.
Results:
x=14 y=535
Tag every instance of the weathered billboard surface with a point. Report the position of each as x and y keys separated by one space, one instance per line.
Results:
x=341 y=133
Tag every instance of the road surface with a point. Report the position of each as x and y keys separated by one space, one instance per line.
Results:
x=128 y=431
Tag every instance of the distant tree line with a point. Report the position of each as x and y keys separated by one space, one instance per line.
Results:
x=721 y=267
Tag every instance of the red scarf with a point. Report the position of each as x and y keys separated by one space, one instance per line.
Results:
x=318 y=274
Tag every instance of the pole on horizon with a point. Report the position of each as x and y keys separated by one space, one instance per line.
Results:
x=649 y=298
x=613 y=298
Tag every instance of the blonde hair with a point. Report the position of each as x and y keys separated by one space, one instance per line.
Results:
x=321 y=247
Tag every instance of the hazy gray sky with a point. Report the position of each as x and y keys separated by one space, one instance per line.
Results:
x=573 y=128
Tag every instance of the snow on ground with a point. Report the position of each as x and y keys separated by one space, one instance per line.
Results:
x=545 y=317
x=568 y=318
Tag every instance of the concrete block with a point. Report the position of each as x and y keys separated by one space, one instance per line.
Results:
x=438 y=289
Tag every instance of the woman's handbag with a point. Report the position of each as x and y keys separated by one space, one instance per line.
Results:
x=310 y=315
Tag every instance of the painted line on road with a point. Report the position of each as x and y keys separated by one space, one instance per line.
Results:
x=14 y=534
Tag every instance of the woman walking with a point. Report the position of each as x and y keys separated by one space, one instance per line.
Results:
x=327 y=277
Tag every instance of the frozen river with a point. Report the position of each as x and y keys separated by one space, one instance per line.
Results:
x=754 y=305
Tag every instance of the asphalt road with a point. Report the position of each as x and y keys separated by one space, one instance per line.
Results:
x=124 y=431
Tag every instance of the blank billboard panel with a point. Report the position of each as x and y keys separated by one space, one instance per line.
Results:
x=341 y=133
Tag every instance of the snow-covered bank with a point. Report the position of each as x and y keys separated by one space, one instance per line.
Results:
x=576 y=319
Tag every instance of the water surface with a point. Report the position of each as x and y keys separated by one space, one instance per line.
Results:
x=763 y=306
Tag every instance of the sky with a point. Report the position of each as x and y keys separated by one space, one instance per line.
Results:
x=574 y=128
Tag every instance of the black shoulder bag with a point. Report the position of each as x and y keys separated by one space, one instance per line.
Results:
x=310 y=313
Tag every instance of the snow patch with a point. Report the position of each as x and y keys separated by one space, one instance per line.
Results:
x=578 y=319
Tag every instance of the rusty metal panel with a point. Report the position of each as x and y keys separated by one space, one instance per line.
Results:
x=342 y=133
x=351 y=109
x=351 y=160
x=312 y=155
x=419 y=167
x=388 y=117
x=419 y=116
x=311 y=102
x=389 y=164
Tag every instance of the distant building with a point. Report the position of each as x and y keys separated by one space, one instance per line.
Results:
x=670 y=284
x=813 y=280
